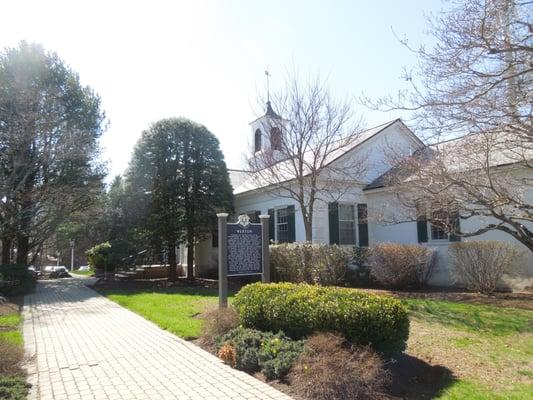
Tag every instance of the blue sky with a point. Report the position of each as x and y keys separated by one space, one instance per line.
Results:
x=205 y=60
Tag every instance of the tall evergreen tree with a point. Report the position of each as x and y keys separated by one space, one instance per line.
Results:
x=49 y=130
x=179 y=173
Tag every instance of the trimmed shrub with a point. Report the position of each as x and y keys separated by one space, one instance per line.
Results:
x=329 y=369
x=13 y=388
x=16 y=280
x=480 y=265
x=218 y=322
x=309 y=263
x=252 y=350
x=401 y=265
x=300 y=310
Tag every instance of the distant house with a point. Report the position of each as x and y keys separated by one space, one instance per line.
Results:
x=355 y=218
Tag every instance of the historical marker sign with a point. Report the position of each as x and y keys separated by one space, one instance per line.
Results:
x=244 y=248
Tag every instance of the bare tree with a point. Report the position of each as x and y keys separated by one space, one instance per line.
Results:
x=475 y=83
x=315 y=129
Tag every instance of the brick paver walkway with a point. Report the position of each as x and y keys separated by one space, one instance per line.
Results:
x=84 y=346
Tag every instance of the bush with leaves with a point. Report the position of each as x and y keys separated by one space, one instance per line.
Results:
x=309 y=263
x=272 y=354
x=16 y=280
x=480 y=265
x=99 y=257
x=401 y=265
x=13 y=388
x=300 y=310
x=329 y=369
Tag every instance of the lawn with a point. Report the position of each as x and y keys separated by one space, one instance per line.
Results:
x=12 y=378
x=173 y=309
x=479 y=351
x=84 y=273
x=488 y=349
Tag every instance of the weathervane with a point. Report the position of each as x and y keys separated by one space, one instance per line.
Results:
x=268 y=83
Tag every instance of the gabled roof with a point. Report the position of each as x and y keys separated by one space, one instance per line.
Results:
x=465 y=153
x=252 y=183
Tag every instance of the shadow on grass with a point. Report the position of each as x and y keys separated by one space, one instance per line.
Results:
x=413 y=378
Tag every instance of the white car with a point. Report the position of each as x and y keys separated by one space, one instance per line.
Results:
x=55 y=268
x=84 y=268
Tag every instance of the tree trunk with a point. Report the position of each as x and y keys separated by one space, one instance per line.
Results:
x=308 y=223
x=23 y=248
x=6 y=251
x=308 y=231
x=190 y=257
x=172 y=263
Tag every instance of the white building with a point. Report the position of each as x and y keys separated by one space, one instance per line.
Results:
x=356 y=218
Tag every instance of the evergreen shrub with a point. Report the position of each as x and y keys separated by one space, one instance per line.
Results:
x=300 y=310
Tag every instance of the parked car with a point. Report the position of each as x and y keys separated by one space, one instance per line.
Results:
x=34 y=271
x=84 y=268
x=55 y=268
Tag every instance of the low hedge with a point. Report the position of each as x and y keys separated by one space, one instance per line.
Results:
x=16 y=280
x=300 y=310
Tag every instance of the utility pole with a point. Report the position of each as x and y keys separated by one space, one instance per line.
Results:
x=71 y=255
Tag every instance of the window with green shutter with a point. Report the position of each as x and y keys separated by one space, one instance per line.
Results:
x=333 y=214
x=271 y=225
x=422 y=229
x=347 y=224
x=283 y=228
x=362 y=224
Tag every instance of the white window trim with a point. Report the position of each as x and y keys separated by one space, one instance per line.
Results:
x=276 y=220
x=355 y=222
x=430 y=237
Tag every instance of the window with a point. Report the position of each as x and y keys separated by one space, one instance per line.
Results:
x=362 y=223
x=439 y=221
x=346 y=224
x=257 y=140
x=282 y=225
x=254 y=216
x=275 y=139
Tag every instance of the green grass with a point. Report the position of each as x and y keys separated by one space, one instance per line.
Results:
x=10 y=320
x=84 y=273
x=9 y=328
x=13 y=337
x=482 y=319
x=497 y=341
x=172 y=309
x=13 y=384
x=465 y=389
x=499 y=338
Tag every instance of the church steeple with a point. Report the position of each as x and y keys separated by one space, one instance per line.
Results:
x=270 y=111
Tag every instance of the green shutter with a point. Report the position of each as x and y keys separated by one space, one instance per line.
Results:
x=422 y=228
x=362 y=225
x=291 y=220
x=456 y=226
x=271 y=225
x=333 y=223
